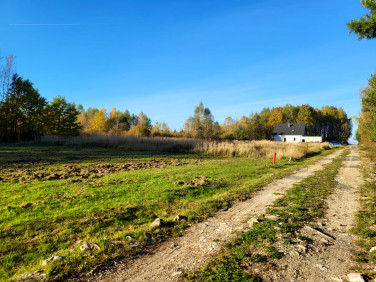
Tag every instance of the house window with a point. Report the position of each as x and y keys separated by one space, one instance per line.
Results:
x=303 y=140
x=294 y=139
x=284 y=139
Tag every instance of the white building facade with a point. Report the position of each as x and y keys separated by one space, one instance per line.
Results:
x=293 y=132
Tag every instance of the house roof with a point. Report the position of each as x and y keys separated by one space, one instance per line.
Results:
x=289 y=129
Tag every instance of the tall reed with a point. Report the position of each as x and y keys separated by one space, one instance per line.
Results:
x=252 y=149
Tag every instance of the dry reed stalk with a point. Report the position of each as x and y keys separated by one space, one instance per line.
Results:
x=252 y=149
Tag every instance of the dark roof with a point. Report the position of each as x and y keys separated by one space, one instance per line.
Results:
x=289 y=129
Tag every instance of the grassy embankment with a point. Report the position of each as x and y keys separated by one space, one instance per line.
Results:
x=366 y=220
x=54 y=197
x=302 y=204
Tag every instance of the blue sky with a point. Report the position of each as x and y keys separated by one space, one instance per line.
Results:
x=164 y=57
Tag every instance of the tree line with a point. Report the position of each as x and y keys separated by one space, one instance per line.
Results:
x=25 y=115
x=95 y=121
x=365 y=27
x=329 y=122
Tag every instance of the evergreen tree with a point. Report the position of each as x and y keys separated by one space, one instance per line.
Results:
x=365 y=27
x=61 y=118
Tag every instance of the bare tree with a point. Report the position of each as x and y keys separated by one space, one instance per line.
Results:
x=6 y=74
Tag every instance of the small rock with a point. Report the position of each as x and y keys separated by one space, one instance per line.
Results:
x=252 y=221
x=129 y=238
x=302 y=248
x=322 y=267
x=156 y=223
x=53 y=259
x=177 y=273
x=116 y=242
x=88 y=246
x=180 y=218
x=295 y=253
x=133 y=245
x=31 y=276
x=355 y=277
x=324 y=241
x=272 y=217
x=149 y=237
x=372 y=249
x=178 y=269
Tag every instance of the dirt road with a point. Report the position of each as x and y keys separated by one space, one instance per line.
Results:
x=201 y=241
x=329 y=255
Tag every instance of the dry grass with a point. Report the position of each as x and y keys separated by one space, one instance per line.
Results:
x=257 y=149
x=254 y=149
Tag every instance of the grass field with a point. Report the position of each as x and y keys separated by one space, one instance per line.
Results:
x=55 y=197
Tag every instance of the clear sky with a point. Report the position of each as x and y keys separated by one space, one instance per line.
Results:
x=164 y=57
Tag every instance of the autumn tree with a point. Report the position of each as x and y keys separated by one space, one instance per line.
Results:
x=143 y=120
x=333 y=124
x=242 y=129
x=143 y=126
x=367 y=117
x=365 y=27
x=228 y=127
x=276 y=117
x=98 y=121
x=118 y=121
x=290 y=113
x=201 y=125
x=160 y=129
x=306 y=114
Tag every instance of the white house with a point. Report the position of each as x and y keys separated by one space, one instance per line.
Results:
x=293 y=132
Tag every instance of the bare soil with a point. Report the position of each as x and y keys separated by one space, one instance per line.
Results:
x=30 y=170
x=201 y=241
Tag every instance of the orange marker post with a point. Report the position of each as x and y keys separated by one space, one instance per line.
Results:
x=275 y=155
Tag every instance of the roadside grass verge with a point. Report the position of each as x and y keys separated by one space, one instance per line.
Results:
x=302 y=204
x=365 y=217
x=42 y=217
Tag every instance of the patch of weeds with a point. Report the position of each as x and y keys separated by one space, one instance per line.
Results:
x=227 y=267
x=287 y=241
x=361 y=257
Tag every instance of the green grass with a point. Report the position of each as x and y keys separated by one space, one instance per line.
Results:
x=46 y=216
x=302 y=204
x=365 y=218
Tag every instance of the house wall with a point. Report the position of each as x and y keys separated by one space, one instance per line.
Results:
x=297 y=138
x=312 y=138
x=289 y=138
